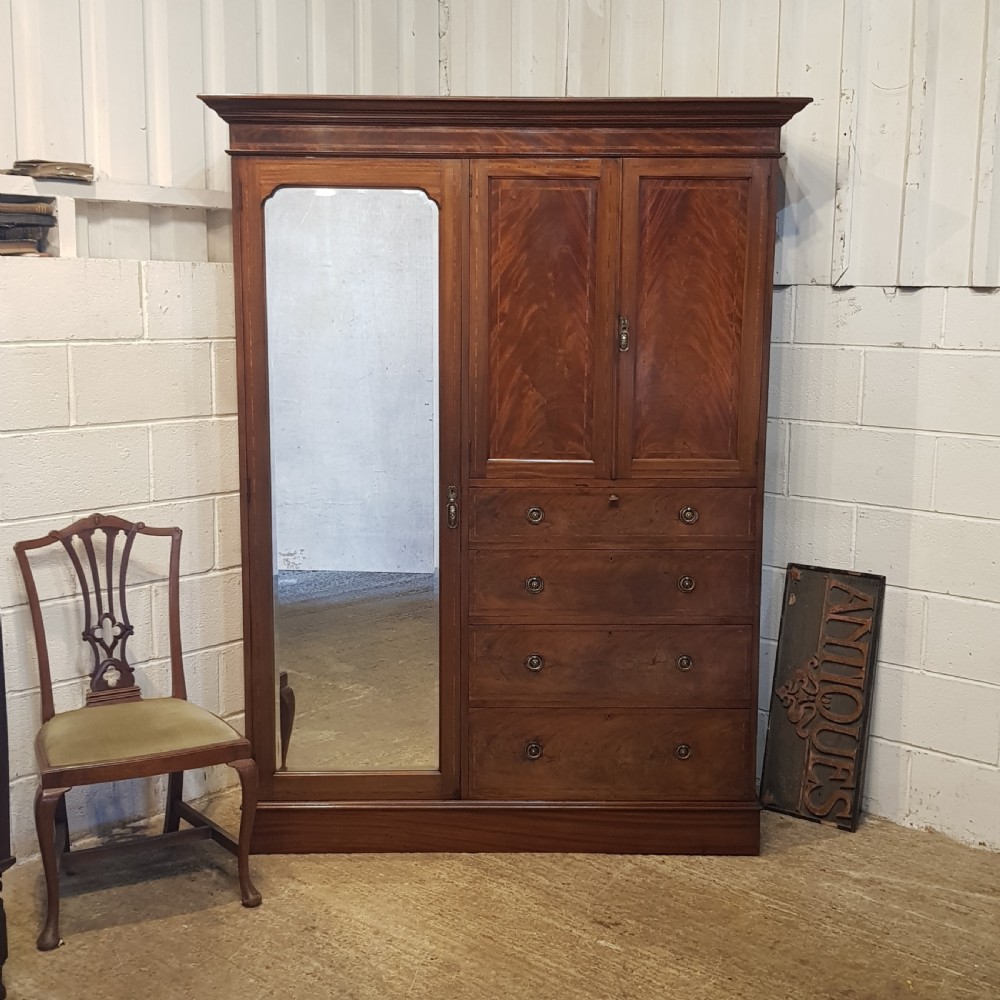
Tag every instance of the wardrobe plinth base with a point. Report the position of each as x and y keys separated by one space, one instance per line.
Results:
x=350 y=827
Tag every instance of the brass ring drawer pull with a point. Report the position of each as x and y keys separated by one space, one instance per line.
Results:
x=535 y=515
x=684 y=662
x=682 y=752
x=533 y=751
x=534 y=662
x=688 y=515
x=686 y=584
x=534 y=585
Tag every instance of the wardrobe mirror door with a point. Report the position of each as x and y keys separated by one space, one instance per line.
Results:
x=352 y=321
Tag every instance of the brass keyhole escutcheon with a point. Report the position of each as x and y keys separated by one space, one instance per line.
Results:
x=534 y=585
x=535 y=515
x=533 y=750
x=534 y=662
x=682 y=752
x=684 y=662
x=688 y=515
x=686 y=584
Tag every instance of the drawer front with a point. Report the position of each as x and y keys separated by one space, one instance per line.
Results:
x=583 y=755
x=668 y=516
x=683 y=666
x=613 y=586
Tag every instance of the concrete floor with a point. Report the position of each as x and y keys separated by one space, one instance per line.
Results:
x=885 y=913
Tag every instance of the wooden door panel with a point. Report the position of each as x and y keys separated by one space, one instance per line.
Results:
x=541 y=318
x=257 y=179
x=690 y=388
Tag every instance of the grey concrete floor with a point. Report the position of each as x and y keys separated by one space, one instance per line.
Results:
x=881 y=914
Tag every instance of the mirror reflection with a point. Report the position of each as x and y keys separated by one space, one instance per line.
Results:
x=352 y=318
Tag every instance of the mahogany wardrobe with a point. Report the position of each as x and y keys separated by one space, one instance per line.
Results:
x=502 y=396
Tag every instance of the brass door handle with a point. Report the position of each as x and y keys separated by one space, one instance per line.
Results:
x=451 y=507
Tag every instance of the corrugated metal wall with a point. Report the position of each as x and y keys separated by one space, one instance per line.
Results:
x=889 y=175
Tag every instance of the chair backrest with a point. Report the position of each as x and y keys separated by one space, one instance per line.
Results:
x=106 y=625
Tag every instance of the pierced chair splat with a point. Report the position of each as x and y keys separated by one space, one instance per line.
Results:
x=117 y=734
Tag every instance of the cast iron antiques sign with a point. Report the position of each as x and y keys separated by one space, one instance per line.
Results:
x=814 y=759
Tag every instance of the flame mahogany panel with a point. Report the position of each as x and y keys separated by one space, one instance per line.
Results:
x=541 y=306
x=692 y=254
x=690 y=388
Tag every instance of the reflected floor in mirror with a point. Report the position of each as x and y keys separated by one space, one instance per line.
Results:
x=361 y=654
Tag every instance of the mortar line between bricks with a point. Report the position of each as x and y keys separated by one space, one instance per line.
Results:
x=139 y=342
x=860 y=505
x=931 y=349
x=151 y=477
x=978 y=601
x=139 y=422
x=890 y=428
x=953 y=757
x=924 y=672
x=118 y=508
x=143 y=300
x=140 y=665
x=860 y=411
x=213 y=571
x=70 y=387
x=924 y=626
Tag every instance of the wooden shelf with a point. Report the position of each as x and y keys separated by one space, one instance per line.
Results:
x=103 y=190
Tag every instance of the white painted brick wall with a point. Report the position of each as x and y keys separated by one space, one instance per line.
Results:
x=885 y=412
x=881 y=458
x=118 y=394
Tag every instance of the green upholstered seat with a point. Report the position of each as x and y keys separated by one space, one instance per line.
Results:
x=104 y=733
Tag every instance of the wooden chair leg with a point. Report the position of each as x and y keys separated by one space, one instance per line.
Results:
x=175 y=793
x=46 y=806
x=286 y=714
x=247 y=770
x=62 y=823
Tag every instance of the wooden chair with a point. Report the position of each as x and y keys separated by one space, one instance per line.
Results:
x=118 y=735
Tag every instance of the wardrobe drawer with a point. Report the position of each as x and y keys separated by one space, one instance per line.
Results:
x=674 y=516
x=613 y=585
x=638 y=755
x=683 y=666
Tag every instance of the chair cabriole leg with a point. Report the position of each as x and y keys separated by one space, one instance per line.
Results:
x=46 y=806
x=247 y=770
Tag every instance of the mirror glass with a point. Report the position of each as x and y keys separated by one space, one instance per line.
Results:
x=352 y=321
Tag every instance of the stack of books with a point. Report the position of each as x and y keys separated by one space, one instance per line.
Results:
x=24 y=226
